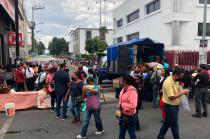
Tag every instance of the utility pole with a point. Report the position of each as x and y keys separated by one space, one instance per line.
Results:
x=34 y=8
x=204 y=42
x=100 y=3
x=17 y=30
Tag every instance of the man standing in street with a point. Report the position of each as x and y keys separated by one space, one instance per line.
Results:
x=201 y=91
x=62 y=80
x=171 y=98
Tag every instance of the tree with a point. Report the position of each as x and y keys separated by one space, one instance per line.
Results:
x=58 y=46
x=103 y=31
x=41 y=48
x=95 y=45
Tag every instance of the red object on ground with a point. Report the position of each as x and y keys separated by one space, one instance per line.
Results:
x=162 y=108
x=22 y=100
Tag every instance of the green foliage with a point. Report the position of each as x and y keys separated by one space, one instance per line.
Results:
x=84 y=56
x=58 y=46
x=95 y=45
x=41 y=48
x=103 y=31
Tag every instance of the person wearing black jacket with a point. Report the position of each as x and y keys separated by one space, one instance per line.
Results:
x=201 y=91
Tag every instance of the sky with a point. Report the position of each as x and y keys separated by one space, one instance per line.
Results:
x=61 y=16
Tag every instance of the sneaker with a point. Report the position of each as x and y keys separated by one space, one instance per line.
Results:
x=52 y=110
x=99 y=132
x=58 y=117
x=64 y=118
x=196 y=115
x=205 y=115
x=80 y=137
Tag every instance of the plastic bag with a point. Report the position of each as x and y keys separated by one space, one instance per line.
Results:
x=83 y=107
x=185 y=103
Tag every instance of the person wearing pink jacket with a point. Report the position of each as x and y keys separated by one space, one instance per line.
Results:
x=128 y=102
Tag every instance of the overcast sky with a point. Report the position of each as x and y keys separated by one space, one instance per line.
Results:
x=60 y=16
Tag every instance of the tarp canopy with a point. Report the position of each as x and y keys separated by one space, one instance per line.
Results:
x=154 y=47
x=41 y=58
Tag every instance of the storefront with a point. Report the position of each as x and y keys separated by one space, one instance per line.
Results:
x=6 y=24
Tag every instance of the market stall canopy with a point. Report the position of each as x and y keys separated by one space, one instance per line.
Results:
x=41 y=58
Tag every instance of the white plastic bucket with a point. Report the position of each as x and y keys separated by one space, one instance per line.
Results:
x=10 y=109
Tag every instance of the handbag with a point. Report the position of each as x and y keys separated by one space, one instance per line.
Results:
x=92 y=101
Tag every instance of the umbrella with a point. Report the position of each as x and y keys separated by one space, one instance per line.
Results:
x=41 y=58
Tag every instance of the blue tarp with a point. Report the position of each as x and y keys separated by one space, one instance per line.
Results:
x=112 y=51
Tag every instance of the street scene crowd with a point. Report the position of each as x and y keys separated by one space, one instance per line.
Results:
x=166 y=89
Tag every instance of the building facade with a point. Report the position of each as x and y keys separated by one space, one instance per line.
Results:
x=176 y=23
x=7 y=24
x=79 y=36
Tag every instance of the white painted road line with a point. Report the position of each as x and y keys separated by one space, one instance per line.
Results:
x=5 y=127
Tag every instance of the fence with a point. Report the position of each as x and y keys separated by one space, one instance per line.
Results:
x=188 y=59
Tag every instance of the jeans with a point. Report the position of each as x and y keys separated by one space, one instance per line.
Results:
x=59 y=98
x=127 y=123
x=75 y=107
x=29 y=84
x=87 y=116
x=201 y=97
x=155 y=95
x=171 y=121
x=20 y=87
x=137 y=121
x=53 y=99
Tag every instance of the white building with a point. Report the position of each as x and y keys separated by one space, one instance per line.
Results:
x=79 y=36
x=176 y=23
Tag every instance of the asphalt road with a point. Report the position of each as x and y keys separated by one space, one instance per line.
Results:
x=41 y=124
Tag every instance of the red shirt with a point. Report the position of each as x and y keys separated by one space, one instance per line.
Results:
x=20 y=77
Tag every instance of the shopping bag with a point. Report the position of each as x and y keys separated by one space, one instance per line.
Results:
x=83 y=107
x=185 y=103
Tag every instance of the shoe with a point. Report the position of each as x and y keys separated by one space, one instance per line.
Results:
x=99 y=132
x=138 y=129
x=64 y=118
x=196 y=115
x=78 y=121
x=205 y=115
x=74 y=121
x=80 y=137
x=52 y=110
x=58 y=117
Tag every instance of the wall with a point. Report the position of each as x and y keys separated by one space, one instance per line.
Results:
x=158 y=25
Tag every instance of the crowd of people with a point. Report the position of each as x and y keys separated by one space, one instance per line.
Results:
x=164 y=88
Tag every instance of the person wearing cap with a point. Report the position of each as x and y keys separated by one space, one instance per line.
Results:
x=201 y=82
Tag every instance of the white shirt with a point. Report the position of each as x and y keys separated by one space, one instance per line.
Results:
x=42 y=76
x=29 y=73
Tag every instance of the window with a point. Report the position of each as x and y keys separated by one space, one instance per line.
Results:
x=133 y=16
x=120 y=23
x=153 y=6
x=119 y=40
x=202 y=1
x=88 y=35
x=200 y=29
x=133 y=36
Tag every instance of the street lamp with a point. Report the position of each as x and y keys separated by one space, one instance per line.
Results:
x=204 y=42
x=17 y=30
x=34 y=8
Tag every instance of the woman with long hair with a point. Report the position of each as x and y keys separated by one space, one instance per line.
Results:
x=128 y=103
x=76 y=90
